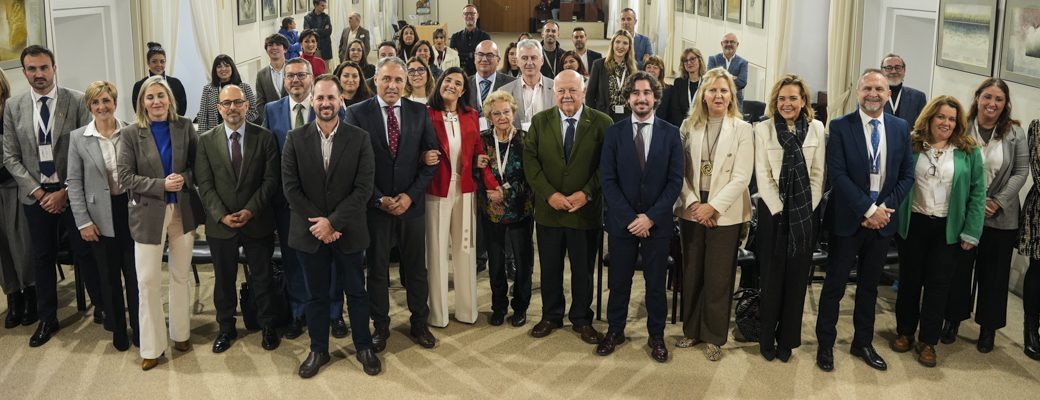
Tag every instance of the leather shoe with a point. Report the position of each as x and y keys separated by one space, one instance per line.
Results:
x=182 y=346
x=339 y=328
x=1032 y=345
x=369 y=362
x=223 y=342
x=948 y=335
x=497 y=318
x=422 y=336
x=30 y=316
x=609 y=343
x=544 y=328
x=658 y=351
x=481 y=265
x=149 y=363
x=901 y=344
x=870 y=356
x=925 y=354
x=99 y=317
x=295 y=328
x=825 y=359
x=380 y=335
x=313 y=363
x=589 y=334
x=985 y=343
x=768 y=353
x=15 y=310
x=783 y=353
x=269 y=339
x=43 y=333
x=518 y=319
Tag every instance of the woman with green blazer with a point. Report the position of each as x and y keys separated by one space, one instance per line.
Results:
x=946 y=208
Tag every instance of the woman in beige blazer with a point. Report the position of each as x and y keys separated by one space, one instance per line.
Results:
x=714 y=203
x=154 y=166
x=789 y=162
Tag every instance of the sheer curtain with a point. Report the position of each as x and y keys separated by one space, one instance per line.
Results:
x=209 y=30
x=781 y=36
x=845 y=37
x=159 y=22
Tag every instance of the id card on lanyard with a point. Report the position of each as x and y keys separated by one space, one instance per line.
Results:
x=875 y=169
x=620 y=109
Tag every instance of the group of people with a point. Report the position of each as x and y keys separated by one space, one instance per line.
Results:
x=338 y=169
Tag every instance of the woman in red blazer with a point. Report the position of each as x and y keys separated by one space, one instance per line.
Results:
x=450 y=220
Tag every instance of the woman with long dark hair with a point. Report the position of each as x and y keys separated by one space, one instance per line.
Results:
x=572 y=61
x=356 y=54
x=224 y=72
x=353 y=82
x=407 y=38
x=156 y=57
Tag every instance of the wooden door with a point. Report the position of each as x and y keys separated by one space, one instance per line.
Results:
x=505 y=15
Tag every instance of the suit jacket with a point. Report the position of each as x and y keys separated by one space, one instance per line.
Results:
x=451 y=58
x=848 y=170
x=21 y=141
x=629 y=190
x=675 y=103
x=140 y=171
x=966 y=202
x=344 y=42
x=338 y=193
x=404 y=173
x=278 y=120
x=597 y=93
x=90 y=196
x=1008 y=182
x=592 y=56
x=473 y=98
x=266 y=92
x=911 y=102
x=548 y=172
x=769 y=158
x=322 y=23
x=516 y=88
x=470 y=148
x=738 y=68
x=548 y=62
x=224 y=193
x=733 y=165
x=642 y=47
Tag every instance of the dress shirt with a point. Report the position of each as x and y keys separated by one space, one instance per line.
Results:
x=585 y=59
x=577 y=121
x=326 y=145
x=491 y=88
x=306 y=110
x=992 y=154
x=882 y=147
x=531 y=98
x=278 y=79
x=108 y=152
x=933 y=179
x=397 y=112
x=648 y=134
x=51 y=103
x=241 y=138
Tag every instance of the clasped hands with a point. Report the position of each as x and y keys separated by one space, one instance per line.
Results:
x=640 y=227
x=702 y=213
x=881 y=217
x=322 y=229
x=571 y=203
x=238 y=219
x=53 y=202
x=395 y=205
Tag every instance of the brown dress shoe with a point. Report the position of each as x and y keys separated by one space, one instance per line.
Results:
x=544 y=328
x=589 y=334
x=149 y=363
x=901 y=344
x=609 y=343
x=182 y=346
x=925 y=354
x=658 y=351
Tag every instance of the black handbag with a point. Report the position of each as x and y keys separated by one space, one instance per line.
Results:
x=248 y=307
x=747 y=313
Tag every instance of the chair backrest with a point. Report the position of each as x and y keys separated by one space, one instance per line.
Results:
x=754 y=110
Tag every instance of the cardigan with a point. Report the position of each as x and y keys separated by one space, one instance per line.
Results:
x=967 y=200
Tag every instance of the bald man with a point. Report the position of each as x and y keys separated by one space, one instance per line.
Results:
x=736 y=65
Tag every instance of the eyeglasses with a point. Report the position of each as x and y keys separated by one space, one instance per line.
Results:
x=487 y=56
x=232 y=103
x=469 y=14
x=297 y=75
x=730 y=42
x=416 y=71
x=893 y=68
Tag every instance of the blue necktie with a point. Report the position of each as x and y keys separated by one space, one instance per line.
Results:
x=875 y=162
x=46 y=167
x=485 y=87
x=568 y=139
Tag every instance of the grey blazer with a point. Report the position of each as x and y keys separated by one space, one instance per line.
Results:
x=89 y=194
x=1010 y=178
x=474 y=98
x=265 y=90
x=141 y=173
x=21 y=143
x=516 y=88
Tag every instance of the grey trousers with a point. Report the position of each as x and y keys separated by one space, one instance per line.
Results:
x=16 y=265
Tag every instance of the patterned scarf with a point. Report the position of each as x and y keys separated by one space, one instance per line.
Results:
x=794 y=186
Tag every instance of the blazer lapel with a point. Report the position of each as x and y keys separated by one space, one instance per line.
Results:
x=723 y=147
x=179 y=141
x=339 y=142
x=150 y=152
x=893 y=146
x=376 y=115
x=94 y=152
x=221 y=143
x=312 y=146
x=61 y=108
x=657 y=152
x=859 y=143
x=252 y=147
x=579 y=133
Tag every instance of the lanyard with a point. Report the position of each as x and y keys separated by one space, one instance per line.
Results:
x=895 y=104
x=875 y=155
x=528 y=104
x=502 y=161
x=621 y=81
x=40 y=123
x=689 y=96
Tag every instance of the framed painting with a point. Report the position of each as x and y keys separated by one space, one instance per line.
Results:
x=718 y=9
x=733 y=11
x=679 y=6
x=286 y=8
x=967 y=35
x=756 y=13
x=1021 y=58
x=22 y=23
x=703 y=7
x=304 y=6
x=268 y=9
x=246 y=12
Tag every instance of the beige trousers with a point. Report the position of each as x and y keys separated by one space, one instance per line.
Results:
x=149 y=283
x=450 y=226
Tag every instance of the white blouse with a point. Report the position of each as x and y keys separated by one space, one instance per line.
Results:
x=933 y=179
x=454 y=131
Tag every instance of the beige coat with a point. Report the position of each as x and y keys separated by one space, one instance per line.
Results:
x=733 y=166
x=769 y=157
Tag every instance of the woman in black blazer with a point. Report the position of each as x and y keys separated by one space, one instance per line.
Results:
x=608 y=77
x=156 y=57
x=676 y=102
x=356 y=53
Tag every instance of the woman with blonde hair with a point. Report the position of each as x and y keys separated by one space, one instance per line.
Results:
x=607 y=77
x=713 y=205
x=17 y=276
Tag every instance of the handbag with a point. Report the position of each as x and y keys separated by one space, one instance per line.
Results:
x=248 y=307
x=746 y=314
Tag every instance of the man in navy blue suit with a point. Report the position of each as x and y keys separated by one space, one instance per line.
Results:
x=734 y=64
x=641 y=172
x=870 y=168
x=905 y=102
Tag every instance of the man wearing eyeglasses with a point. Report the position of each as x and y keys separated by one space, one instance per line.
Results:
x=734 y=64
x=466 y=40
x=487 y=79
x=237 y=171
x=905 y=102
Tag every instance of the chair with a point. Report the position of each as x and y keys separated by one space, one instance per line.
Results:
x=200 y=254
x=754 y=111
x=670 y=279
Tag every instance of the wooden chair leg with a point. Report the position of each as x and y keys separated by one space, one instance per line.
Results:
x=195 y=271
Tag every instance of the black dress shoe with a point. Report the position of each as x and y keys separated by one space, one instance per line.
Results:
x=15 y=310
x=295 y=328
x=985 y=343
x=269 y=339
x=43 y=333
x=339 y=328
x=769 y=353
x=658 y=351
x=313 y=363
x=223 y=342
x=29 y=316
x=497 y=318
x=948 y=335
x=518 y=319
x=825 y=359
x=1032 y=343
x=380 y=335
x=422 y=336
x=609 y=343
x=870 y=356
x=99 y=317
x=783 y=353
x=369 y=362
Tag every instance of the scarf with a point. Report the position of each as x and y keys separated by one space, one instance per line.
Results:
x=795 y=190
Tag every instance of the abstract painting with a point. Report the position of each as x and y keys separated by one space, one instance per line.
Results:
x=966 y=35
x=22 y=23
x=1021 y=60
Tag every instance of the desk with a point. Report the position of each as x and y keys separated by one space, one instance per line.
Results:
x=425 y=32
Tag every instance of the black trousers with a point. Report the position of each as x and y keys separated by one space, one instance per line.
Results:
x=409 y=235
x=1031 y=295
x=115 y=262
x=498 y=238
x=349 y=272
x=992 y=270
x=580 y=246
x=926 y=263
x=225 y=271
x=784 y=281
x=295 y=285
x=871 y=249
x=44 y=228
x=652 y=253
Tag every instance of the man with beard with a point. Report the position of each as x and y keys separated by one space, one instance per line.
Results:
x=734 y=64
x=580 y=39
x=551 y=64
x=641 y=171
x=466 y=40
x=870 y=167
x=327 y=174
x=905 y=102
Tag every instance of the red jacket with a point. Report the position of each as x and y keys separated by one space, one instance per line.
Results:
x=471 y=147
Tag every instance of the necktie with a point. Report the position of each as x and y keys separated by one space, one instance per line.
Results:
x=236 y=154
x=641 y=145
x=485 y=87
x=875 y=162
x=568 y=139
x=393 y=130
x=46 y=166
x=299 y=116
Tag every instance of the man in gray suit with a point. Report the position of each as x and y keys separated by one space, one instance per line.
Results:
x=36 y=147
x=533 y=92
x=351 y=33
x=487 y=79
x=269 y=80
x=237 y=171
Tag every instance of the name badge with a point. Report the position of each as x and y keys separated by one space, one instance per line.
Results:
x=619 y=109
x=45 y=153
x=484 y=124
x=506 y=186
x=875 y=182
x=525 y=126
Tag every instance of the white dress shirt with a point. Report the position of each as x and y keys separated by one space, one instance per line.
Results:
x=648 y=134
x=563 y=123
x=326 y=145
x=992 y=154
x=881 y=151
x=306 y=110
x=51 y=104
x=278 y=78
x=532 y=98
x=933 y=179
x=108 y=153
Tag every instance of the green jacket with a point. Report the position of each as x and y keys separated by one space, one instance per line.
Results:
x=967 y=200
x=548 y=172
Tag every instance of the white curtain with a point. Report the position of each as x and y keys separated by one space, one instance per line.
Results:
x=781 y=36
x=209 y=30
x=845 y=37
x=665 y=20
x=159 y=22
x=611 y=14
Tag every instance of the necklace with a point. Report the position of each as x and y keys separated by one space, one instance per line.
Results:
x=707 y=165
